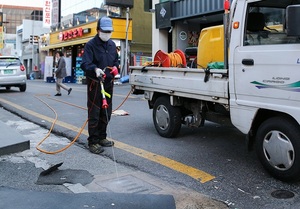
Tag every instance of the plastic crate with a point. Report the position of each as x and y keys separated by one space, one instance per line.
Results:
x=50 y=80
x=68 y=79
x=79 y=79
x=79 y=73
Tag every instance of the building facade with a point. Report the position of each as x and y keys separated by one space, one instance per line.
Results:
x=13 y=16
x=131 y=33
x=72 y=40
x=27 y=45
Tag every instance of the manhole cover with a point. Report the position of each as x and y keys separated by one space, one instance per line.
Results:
x=128 y=184
x=282 y=194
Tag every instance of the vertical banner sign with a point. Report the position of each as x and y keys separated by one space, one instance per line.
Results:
x=47 y=14
x=1 y=18
x=1 y=37
x=55 y=12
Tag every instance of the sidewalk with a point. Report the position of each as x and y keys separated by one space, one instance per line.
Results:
x=11 y=141
x=90 y=181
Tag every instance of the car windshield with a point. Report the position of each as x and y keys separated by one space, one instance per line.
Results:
x=9 y=61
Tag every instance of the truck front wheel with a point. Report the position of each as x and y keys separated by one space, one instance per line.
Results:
x=166 y=118
x=278 y=148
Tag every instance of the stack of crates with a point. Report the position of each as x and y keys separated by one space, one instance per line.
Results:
x=50 y=80
x=67 y=79
x=79 y=74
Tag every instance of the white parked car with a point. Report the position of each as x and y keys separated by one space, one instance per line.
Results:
x=12 y=73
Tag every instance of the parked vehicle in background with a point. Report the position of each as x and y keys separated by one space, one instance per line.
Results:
x=12 y=73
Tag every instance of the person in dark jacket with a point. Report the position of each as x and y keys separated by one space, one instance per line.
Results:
x=99 y=62
x=60 y=73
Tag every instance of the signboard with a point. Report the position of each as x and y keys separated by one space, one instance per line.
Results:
x=183 y=35
x=163 y=15
x=1 y=18
x=47 y=14
x=68 y=65
x=48 y=72
x=1 y=37
x=55 y=12
x=74 y=33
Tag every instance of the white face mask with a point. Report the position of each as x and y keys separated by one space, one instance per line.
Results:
x=104 y=36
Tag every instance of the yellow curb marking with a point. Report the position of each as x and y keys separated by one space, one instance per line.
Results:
x=167 y=162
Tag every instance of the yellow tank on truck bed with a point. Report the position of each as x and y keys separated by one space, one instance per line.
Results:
x=211 y=46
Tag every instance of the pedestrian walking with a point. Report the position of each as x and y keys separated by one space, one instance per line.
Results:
x=60 y=73
x=99 y=62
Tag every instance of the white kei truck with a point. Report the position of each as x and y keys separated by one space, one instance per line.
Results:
x=257 y=90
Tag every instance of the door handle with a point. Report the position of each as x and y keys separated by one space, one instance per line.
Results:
x=248 y=62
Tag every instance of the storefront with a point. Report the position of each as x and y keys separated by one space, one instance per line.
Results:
x=72 y=42
x=178 y=23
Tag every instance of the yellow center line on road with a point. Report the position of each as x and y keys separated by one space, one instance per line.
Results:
x=167 y=162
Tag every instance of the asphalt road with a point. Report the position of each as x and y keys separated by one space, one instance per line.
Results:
x=212 y=160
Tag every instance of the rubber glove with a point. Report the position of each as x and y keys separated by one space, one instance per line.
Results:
x=114 y=71
x=99 y=73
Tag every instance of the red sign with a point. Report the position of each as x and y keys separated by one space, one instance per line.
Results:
x=70 y=34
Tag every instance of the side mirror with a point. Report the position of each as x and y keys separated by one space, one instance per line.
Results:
x=292 y=20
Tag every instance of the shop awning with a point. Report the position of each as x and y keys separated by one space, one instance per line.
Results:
x=65 y=44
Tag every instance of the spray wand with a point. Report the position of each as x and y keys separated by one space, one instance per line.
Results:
x=104 y=94
x=114 y=71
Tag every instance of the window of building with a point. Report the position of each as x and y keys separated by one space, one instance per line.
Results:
x=15 y=16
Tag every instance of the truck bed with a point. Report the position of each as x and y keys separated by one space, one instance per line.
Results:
x=182 y=82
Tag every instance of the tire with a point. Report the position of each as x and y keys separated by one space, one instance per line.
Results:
x=166 y=118
x=278 y=148
x=8 y=88
x=22 y=88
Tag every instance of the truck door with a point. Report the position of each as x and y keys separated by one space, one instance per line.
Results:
x=267 y=62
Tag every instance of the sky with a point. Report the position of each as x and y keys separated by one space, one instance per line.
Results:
x=68 y=6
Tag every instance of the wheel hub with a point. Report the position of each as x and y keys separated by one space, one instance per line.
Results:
x=162 y=117
x=279 y=150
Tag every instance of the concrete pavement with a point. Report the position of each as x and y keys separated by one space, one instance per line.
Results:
x=91 y=181
x=11 y=141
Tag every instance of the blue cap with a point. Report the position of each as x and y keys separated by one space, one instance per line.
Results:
x=105 y=24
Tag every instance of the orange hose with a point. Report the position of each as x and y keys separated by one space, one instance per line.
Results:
x=55 y=119
x=50 y=130
x=172 y=59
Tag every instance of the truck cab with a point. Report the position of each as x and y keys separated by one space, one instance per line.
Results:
x=263 y=62
x=264 y=86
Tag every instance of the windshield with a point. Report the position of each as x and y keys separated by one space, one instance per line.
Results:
x=266 y=26
x=276 y=3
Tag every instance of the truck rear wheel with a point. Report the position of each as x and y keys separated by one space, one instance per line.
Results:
x=278 y=148
x=166 y=118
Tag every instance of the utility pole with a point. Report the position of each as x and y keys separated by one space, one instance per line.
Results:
x=32 y=49
x=126 y=44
